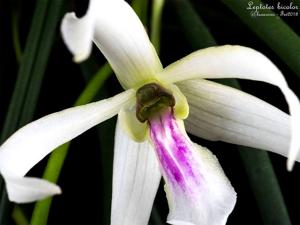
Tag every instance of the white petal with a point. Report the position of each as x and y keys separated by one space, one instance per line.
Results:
x=121 y=37
x=219 y=112
x=29 y=189
x=198 y=192
x=237 y=62
x=136 y=178
x=33 y=142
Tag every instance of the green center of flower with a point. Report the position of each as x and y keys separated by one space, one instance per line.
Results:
x=151 y=99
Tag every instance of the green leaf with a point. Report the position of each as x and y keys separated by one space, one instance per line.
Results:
x=155 y=217
x=28 y=60
x=141 y=7
x=265 y=186
x=16 y=103
x=257 y=163
x=36 y=73
x=296 y=3
x=198 y=34
x=41 y=60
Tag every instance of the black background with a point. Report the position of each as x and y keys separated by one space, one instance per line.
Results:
x=86 y=176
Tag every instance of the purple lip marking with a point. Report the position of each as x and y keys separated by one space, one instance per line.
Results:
x=174 y=151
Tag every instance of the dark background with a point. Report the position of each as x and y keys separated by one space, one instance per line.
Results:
x=86 y=176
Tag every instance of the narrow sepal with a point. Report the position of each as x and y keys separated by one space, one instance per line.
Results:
x=222 y=113
x=33 y=142
x=238 y=62
x=117 y=31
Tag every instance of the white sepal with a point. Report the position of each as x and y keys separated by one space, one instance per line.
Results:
x=238 y=62
x=29 y=189
x=119 y=34
x=222 y=113
x=78 y=33
x=33 y=142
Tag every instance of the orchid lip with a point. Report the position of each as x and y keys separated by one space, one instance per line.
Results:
x=173 y=148
x=196 y=187
x=174 y=151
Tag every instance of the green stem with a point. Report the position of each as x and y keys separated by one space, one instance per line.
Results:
x=52 y=171
x=272 y=30
x=257 y=163
x=94 y=85
x=106 y=140
x=19 y=217
x=157 y=8
x=57 y=158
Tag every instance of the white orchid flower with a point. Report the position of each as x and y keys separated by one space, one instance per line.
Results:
x=150 y=136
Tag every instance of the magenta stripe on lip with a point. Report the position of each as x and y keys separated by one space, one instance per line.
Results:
x=174 y=151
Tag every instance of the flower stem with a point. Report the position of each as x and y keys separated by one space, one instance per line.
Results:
x=257 y=163
x=57 y=158
x=19 y=217
x=157 y=8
